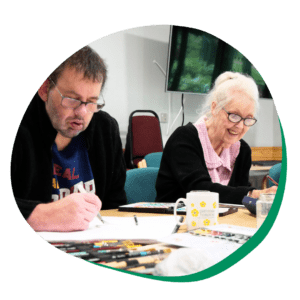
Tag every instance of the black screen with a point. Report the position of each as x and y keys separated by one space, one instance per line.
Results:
x=197 y=58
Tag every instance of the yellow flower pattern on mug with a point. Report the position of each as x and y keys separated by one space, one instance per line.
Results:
x=215 y=205
x=195 y=212
x=194 y=223
x=202 y=204
x=192 y=205
x=206 y=222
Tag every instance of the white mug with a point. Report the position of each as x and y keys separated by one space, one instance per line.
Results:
x=202 y=209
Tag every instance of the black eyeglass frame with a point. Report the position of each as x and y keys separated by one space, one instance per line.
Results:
x=99 y=106
x=244 y=119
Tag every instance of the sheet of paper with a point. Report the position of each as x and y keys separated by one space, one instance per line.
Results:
x=118 y=228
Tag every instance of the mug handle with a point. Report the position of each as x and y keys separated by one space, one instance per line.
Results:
x=175 y=211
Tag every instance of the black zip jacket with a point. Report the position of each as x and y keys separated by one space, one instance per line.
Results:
x=31 y=165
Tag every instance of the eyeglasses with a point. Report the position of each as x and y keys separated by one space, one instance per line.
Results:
x=234 y=118
x=75 y=103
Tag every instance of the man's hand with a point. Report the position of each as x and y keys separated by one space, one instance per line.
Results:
x=71 y=213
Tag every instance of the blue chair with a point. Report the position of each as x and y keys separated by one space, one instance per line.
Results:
x=275 y=174
x=153 y=159
x=140 y=185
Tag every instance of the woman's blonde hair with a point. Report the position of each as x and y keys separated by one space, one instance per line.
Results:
x=224 y=85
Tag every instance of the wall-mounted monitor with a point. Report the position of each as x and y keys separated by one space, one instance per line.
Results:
x=196 y=59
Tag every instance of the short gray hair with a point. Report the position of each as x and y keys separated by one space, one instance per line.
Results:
x=226 y=83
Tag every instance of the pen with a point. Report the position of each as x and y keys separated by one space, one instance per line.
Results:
x=136 y=220
x=272 y=180
x=111 y=257
x=177 y=225
x=100 y=217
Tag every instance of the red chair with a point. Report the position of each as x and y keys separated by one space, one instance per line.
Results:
x=143 y=137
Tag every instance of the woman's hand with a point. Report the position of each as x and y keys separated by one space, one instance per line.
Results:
x=256 y=193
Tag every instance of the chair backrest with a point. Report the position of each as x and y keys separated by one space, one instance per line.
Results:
x=140 y=185
x=153 y=159
x=143 y=137
x=275 y=174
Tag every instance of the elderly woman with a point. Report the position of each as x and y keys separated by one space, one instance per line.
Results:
x=210 y=154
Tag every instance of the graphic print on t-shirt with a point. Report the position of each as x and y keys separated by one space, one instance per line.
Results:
x=71 y=168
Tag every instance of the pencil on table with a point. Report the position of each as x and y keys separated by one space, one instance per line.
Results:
x=177 y=226
x=136 y=220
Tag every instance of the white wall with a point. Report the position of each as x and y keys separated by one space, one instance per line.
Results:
x=136 y=82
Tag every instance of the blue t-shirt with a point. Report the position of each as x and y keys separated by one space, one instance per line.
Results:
x=71 y=167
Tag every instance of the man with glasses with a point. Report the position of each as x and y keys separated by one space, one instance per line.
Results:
x=211 y=154
x=66 y=144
